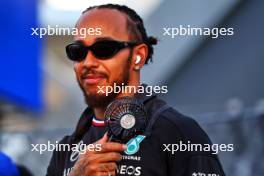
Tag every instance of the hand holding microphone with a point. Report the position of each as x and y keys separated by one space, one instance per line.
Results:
x=101 y=162
x=126 y=118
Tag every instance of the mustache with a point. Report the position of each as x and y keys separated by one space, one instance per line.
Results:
x=87 y=72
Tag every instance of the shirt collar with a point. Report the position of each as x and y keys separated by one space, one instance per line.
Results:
x=98 y=122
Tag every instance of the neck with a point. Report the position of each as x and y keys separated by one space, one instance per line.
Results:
x=99 y=113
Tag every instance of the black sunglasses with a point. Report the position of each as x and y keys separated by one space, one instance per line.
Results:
x=102 y=49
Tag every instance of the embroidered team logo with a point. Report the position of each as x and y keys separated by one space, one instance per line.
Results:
x=133 y=144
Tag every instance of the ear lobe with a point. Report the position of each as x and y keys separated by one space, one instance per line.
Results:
x=137 y=67
x=140 y=52
x=137 y=62
x=139 y=57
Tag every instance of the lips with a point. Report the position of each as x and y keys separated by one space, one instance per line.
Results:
x=92 y=79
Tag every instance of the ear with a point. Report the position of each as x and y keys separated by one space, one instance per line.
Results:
x=139 y=56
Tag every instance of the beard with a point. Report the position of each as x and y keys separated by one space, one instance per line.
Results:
x=96 y=100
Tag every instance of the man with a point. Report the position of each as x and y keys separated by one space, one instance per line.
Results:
x=116 y=57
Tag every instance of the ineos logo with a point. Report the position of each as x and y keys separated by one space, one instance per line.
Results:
x=128 y=170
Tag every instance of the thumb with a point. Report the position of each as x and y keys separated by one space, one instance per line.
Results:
x=104 y=139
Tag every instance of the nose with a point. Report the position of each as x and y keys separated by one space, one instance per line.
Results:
x=90 y=61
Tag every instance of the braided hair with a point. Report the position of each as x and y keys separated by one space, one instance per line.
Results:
x=135 y=26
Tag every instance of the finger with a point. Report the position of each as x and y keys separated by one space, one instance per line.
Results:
x=104 y=139
x=107 y=157
x=113 y=147
x=110 y=173
x=107 y=167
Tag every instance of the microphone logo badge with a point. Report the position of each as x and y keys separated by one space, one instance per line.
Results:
x=133 y=145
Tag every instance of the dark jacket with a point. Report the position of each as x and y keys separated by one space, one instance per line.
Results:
x=157 y=155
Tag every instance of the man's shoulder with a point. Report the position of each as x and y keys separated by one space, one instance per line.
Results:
x=178 y=126
x=66 y=139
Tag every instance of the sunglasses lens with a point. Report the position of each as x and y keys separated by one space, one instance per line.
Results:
x=76 y=52
x=105 y=49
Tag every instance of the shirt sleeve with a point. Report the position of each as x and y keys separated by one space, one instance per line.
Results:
x=56 y=164
x=189 y=162
x=51 y=170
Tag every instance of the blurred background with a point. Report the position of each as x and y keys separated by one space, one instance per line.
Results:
x=218 y=82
